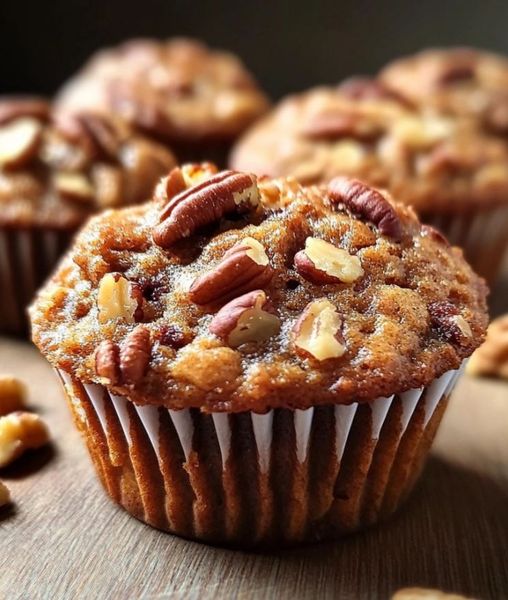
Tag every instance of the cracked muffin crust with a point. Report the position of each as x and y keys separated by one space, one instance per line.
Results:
x=177 y=90
x=439 y=164
x=232 y=293
x=58 y=168
x=460 y=81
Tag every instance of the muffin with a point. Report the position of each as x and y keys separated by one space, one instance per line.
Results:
x=178 y=91
x=459 y=81
x=450 y=169
x=55 y=171
x=253 y=362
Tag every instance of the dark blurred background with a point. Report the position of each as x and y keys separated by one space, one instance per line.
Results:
x=288 y=45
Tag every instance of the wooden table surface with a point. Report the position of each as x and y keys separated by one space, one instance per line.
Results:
x=65 y=539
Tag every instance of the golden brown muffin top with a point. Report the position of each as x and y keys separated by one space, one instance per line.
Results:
x=175 y=90
x=459 y=81
x=362 y=129
x=58 y=168
x=233 y=293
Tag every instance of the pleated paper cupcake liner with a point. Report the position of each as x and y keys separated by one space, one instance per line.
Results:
x=27 y=257
x=249 y=479
x=483 y=236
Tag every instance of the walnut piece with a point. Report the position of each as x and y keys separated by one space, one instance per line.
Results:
x=322 y=262
x=20 y=431
x=12 y=394
x=244 y=267
x=249 y=318
x=5 y=496
x=19 y=142
x=204 y=204
x=491 y=358
x=367 y=203
x=118 y=298
x=318 y=331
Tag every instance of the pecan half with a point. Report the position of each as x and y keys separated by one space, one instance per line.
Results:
x=74 y=186
x=14 y=108
x=364 y=88
x=322 y=263
x=19 y=142
x=102 y=132
x=127 y=363
x=243 y=268
x=318 y=331
x=449 y=324
x=135 y=355
x=206 y=203
x=249 y=318
x=367 y=203
x=330 y=125
x=107 y=361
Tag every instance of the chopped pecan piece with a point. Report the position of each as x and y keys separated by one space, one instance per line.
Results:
x=244 y=267
x=206 y=203
x=119 y=298
x=450 y=325
x=322 y=262
x=367 y=203
x=249 y=318
x=19 y=142
x=318 y=331
x=74 y=186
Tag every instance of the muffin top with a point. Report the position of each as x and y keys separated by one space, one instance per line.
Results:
x=360 y=128
x=233 y=293
x=458 y=81
x=176 y=90
x=58 y=168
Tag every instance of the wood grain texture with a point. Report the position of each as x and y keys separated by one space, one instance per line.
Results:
x=65 y=539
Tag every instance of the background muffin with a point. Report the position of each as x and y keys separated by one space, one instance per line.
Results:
x=251 y=361
x=179 y=91
x=460 y=81
x=450 y=169
x=55 y=171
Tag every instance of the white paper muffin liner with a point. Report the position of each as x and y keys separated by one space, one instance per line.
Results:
x=247 y=478
x=27 y=257
x=483 y=235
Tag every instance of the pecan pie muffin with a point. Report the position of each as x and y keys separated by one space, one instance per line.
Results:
x=450 y=169
x=458 y=81
x=254 y=362
x=55 y=171
x=178 y=91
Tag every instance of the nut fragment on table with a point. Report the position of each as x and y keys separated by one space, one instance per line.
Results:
x=5 y=496
x=12 y=394
x=20 y=431
x=491 y=358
